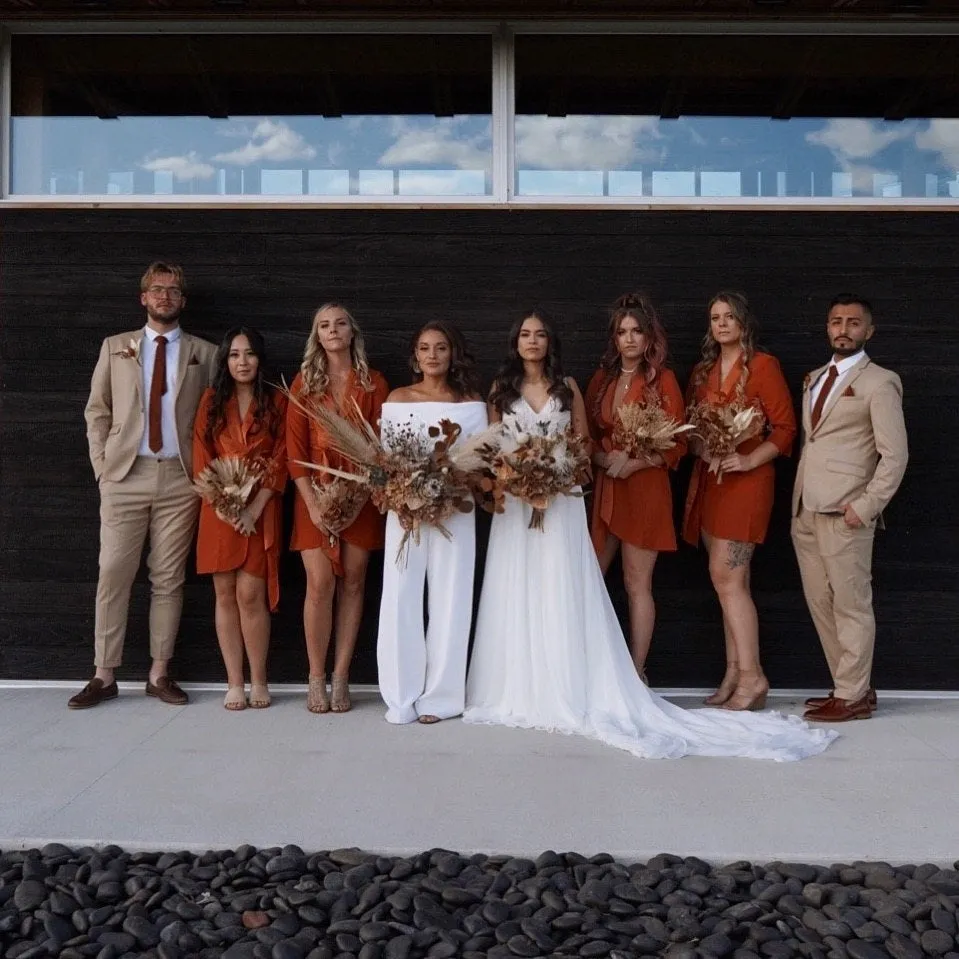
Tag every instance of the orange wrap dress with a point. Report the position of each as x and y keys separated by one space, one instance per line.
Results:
x=306 y=441
x=739 y=508
x=220 y=548
x=638 y=509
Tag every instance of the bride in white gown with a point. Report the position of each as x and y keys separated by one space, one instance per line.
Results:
x=549 y=652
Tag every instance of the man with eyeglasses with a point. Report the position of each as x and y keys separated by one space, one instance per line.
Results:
x=143 y=399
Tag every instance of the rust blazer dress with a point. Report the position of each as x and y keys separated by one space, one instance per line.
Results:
x=639 y=509
x=220 y=548
x=739 y=508
x=307 y=442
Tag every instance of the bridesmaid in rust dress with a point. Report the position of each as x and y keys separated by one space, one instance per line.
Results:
x=632 y=504
x=731 y=517
x=335 y=373
x=241 y=416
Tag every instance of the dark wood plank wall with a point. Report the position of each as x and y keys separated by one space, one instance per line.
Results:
x=69 y=278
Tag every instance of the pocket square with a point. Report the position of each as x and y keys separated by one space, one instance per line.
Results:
x=848 y=391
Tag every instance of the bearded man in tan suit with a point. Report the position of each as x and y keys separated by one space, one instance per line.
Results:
x=143 y=399
x=853 y=460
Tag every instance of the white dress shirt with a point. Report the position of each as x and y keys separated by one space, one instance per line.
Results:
x=148 y=351
x=843 y=367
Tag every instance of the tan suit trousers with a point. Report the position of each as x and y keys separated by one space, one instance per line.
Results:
x=154 y=498
x=835 y=563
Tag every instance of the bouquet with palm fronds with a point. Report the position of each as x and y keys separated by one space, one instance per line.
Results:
x=424 y=478
x=227 y=483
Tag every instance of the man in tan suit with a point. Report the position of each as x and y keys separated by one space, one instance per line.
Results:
x=853 y=459
x=143 y=398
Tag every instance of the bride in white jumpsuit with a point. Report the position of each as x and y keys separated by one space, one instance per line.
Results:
x=422 y=668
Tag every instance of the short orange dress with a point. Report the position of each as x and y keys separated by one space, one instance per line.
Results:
x=307 y=442
x=639 y=509
x=739 y=508
x=220 y=548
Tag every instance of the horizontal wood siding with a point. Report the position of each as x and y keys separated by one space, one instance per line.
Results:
x=68 y=278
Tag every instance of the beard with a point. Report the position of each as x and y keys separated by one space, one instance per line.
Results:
x=166 y=317
x=849 y=349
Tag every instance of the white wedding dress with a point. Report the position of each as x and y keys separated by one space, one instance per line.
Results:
x=549 y=652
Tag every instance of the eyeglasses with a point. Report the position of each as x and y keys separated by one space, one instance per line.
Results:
x=171 y=291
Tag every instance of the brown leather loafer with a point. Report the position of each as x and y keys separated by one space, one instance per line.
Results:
x=840 y=711
x=814 y=702
x=93 y=694
x=167 y=692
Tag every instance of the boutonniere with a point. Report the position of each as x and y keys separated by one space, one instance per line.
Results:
x=848 y=391
x=807 y=379
x=131 y=351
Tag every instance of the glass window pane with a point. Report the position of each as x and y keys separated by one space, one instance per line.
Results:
x=252 y=114
x=730 y=116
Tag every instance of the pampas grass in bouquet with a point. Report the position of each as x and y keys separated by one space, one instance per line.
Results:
x=721 y=428
x=226 y=484
x=644 y=429
x=424 y=478
x=538 y=465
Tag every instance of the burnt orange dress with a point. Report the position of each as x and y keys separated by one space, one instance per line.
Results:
x=739 y=507
x=638 y=509
x=220 y=548
x=306 y=441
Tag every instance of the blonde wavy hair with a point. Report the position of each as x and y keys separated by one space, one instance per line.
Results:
x=316 y=377
x=739 y=307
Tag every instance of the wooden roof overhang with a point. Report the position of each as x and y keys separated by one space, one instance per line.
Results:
x=892 y=11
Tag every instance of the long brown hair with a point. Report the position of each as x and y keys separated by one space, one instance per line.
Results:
x=739 y=307
x=462 y=377
x=509 y=380
x=640 y=307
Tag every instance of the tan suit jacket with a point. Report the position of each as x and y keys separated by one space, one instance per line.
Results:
x=115 y=412
x=858 y=451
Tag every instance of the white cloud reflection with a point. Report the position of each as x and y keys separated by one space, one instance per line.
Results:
x=586 y=142
x=189 y=166
x=855 y=139
x=440 y=142
x=941 y=136
x=270 y=141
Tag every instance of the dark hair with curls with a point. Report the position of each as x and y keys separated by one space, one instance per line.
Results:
x=739 y=307
x=265 y=414
x=508 y=384
x=462 y=376
x=640 y=307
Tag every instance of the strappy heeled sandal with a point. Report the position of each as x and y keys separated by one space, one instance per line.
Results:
x=235 y=699
x=340 y=701
x=260 y=696
x=317 y=698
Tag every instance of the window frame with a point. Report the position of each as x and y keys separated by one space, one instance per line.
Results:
x=502 y=67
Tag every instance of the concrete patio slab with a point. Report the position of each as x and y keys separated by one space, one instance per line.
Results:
x=148 y=776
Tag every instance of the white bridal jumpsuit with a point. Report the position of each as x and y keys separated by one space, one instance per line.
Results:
x=422 y=672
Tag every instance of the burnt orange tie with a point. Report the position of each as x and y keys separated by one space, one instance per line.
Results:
x=823 y=394
x=157 y=389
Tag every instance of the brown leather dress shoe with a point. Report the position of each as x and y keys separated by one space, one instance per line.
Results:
x=814 y=702
x=840 y=711
x=167 y=691
x=93 y=694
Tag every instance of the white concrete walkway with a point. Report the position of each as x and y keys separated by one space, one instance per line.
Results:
x=149 y=776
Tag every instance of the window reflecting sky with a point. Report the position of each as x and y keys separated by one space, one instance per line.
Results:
x=451 y=156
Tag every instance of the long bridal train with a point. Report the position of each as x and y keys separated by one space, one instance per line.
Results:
x=550 y=654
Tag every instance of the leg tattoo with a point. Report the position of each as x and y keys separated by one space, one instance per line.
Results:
x=739 y=554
